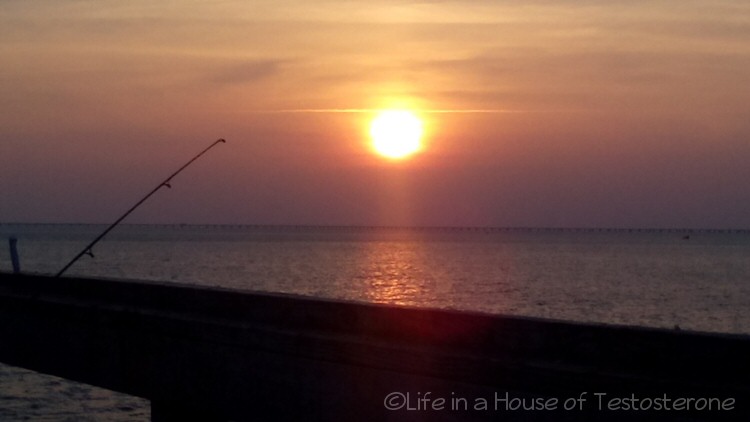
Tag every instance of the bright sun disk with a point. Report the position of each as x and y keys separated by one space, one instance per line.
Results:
x=396 y=133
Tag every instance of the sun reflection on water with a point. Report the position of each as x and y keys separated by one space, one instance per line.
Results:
x=394 y=272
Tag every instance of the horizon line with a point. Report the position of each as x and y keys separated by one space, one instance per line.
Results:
x=400 y=227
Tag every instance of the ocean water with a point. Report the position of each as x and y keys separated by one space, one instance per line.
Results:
x=649 y=278
x=697 y=280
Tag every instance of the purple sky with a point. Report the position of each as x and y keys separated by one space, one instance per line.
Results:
x=537 y=113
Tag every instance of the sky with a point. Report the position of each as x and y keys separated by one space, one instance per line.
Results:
x=540 y=113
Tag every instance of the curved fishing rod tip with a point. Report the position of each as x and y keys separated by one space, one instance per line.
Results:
x=222 y=140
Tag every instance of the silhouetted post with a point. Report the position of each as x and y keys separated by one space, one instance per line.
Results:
x=14 y=255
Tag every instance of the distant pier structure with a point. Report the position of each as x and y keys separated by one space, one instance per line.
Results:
x=56 y=227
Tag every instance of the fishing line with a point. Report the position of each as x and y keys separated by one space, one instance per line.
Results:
x=88 y=249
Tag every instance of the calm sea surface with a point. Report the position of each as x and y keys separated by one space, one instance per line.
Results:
x=649 y=278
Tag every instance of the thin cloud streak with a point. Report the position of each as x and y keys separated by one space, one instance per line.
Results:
x=426 y=111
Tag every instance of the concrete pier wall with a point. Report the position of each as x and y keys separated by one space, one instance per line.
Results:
x=216 y=354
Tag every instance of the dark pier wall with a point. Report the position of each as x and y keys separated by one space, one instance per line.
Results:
x=211 y=354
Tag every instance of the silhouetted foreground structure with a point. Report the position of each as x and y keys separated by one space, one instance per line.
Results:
x=212 y=354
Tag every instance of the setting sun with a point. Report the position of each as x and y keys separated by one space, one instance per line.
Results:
x=396 y=133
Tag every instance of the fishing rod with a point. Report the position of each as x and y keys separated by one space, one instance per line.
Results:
x=87 y=249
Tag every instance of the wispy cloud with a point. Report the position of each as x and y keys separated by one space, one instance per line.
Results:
x=246 y=72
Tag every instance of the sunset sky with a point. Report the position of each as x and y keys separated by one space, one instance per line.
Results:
x=536 y=113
